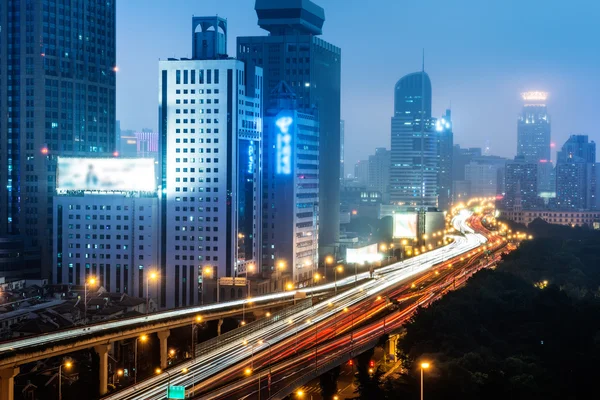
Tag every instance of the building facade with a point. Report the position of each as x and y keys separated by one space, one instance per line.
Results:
x=533 y=128
x=210 y=127
x=361 y=173
x=379 y=171
x=573 y=218
x=576 y=174
x=57 y=69
x=294 y=53
x=290 y=224
x=521 y=184
x=443 y=127
x=414 y=146
x=342 y=134
x=112 y=237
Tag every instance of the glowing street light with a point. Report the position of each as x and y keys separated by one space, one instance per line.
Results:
x=143 y=339
x=424 y=366
x=153 y=276
x=90 y=281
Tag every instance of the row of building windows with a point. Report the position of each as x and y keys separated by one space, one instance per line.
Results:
x=200 y=101
x=200 y=91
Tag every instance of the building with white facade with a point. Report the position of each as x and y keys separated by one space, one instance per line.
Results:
x=290 y=188
x=210 y=155
x=105 y=224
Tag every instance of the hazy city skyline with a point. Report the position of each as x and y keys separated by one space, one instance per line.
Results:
x=479 y=56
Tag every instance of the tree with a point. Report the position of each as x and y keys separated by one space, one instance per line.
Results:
x=368 y=377
x=328 y=383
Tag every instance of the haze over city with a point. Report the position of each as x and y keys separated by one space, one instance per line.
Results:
x=480 y=57
x=299 y=199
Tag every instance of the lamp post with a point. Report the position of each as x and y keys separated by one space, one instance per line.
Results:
x=68 y=365
x=90 y=281
x=280 y=267
x=328 y=260
x=315 y=279
x=269 y=376
x=206 y=271
x=143 y=338
x=337 y=269
x=153 y=276
x=424 y=366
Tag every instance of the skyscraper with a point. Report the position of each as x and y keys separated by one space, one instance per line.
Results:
x=443 y=127
x=533 y=128
x=210 y=151
x=521 y=185
x=379 y=171
x=290 y=187
x=342 y=133
x=294 y=53
x=576 y=174
x=577 y=148
x=361 y=172
x=57 y=71
x=414 y=145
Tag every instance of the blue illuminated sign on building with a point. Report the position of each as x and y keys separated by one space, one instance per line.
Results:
x=251 y=157
x=283 y=161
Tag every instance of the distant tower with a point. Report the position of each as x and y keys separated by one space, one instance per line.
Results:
x=414 y=147
x=294 y=52
x=533 y=128
x=209 y=35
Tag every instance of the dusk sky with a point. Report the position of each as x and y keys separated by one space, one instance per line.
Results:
x=479 y=54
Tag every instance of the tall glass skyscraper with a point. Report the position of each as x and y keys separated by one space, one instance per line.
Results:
x=414 y=145
x=533 y=128
x=57 y=97
x=294 y=53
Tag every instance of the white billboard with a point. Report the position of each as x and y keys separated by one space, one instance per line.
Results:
x=106 y=174
x=405 y=225
x=363 y=254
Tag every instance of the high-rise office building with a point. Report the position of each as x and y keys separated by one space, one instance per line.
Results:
x=361 y=172
x=210 y=153
x=577 y=148
x=294 y=53
x=379 y=171
x=342 y=133
x=57 y=72
x=576 y=174
x=290 y=187
x=443 y=127
x=533 y=138
x=414 y=145
x=533 y=128
x=105 y=223
x=521 y=185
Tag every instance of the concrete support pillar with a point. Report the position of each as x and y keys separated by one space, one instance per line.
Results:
x=219 y=327
x=162 y=337
x=7 y=382
x=102 y=350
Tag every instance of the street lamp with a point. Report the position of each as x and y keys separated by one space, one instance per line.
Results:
x=269 y=376
x=206 y=272
x=424 y=366
x=328 y=260
x=143 y=338
x=280 y=267
x=337 y=269
x=90 y=281
x=67 y=365
x=153 y=276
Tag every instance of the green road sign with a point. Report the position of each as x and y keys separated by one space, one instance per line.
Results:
x=176 y=392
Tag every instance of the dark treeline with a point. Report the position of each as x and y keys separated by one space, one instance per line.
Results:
x=528 y=330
